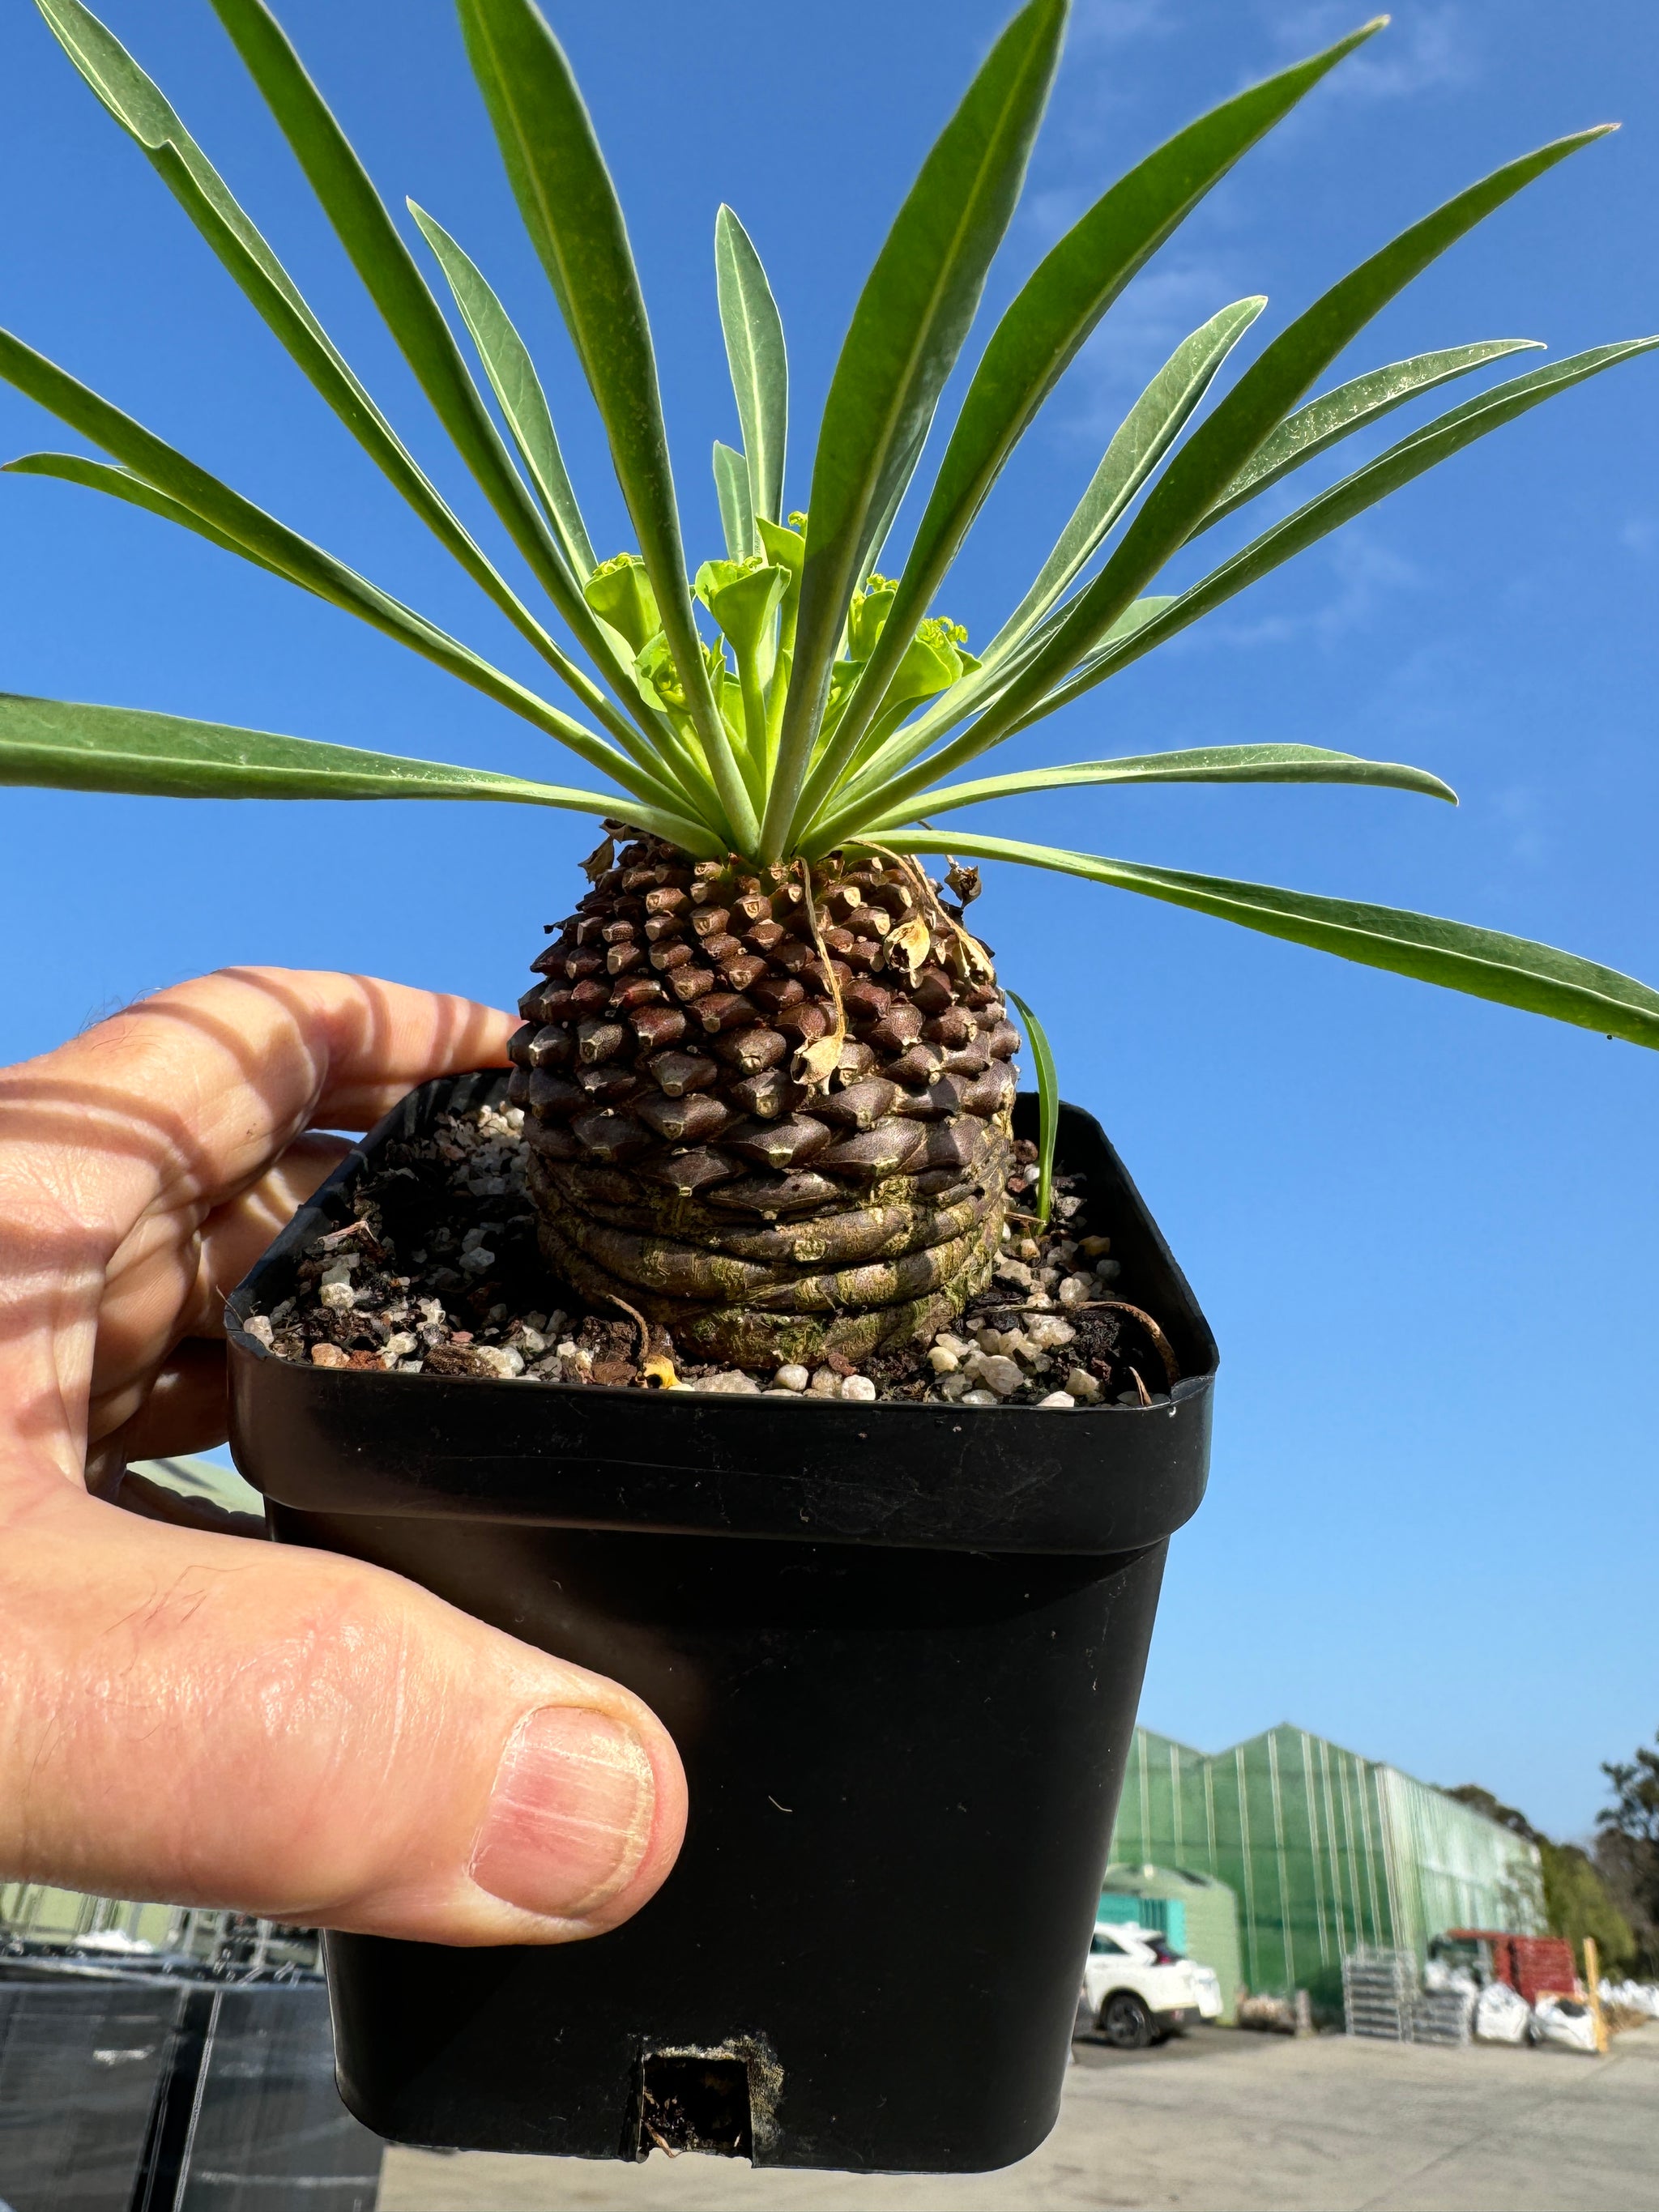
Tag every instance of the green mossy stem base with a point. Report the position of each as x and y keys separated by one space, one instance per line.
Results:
x=915 y=1265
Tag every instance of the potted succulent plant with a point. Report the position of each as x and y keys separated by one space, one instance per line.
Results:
x=857 y=1375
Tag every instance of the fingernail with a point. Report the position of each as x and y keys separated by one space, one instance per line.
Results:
x=570 y=1815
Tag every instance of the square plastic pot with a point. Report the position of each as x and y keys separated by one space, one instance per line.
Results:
x=900 y=1647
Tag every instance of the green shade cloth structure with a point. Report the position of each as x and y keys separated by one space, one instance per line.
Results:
x=1324 y=1849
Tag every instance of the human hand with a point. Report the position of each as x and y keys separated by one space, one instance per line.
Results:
x=206 y=1719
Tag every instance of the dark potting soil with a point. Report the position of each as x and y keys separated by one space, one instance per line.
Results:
x=440 y=1273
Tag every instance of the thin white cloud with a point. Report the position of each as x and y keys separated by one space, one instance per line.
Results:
x=1105 y=25
x=1521 y=808
x=1365 y=572
x=1137 y=337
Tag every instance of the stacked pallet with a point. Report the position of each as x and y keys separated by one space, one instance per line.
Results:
x=1442 y=2016
x=1380 y=1993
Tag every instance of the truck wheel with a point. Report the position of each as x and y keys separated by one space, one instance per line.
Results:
x=1125 y=2022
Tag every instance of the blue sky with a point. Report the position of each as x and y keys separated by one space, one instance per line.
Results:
x=1422 y=1227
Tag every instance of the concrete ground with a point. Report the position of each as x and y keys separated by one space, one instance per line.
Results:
x=1217 y=2121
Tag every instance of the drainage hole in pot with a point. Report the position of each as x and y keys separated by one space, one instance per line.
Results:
x=695 y=2103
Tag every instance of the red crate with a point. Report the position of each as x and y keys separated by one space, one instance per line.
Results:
x=1532 y=1965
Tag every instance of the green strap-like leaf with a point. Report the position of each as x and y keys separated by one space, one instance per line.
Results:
x=276 y=546
x=877 y=791
x=1353 y=406
x=1146 y=435
x=1224 y=443
x=881 y=529
x=140 y=107
x=1485 y=963
x=514 y=380
x=759 y=363
x=1198 y=764
x=1150 y=623
x=1038 y=337
x=1048 y=1083
x=905 y=334
x=121 y=484
x=364 y=226
x=570 y=210
x=57 y=744
x=732 y=480
x=1436 y=441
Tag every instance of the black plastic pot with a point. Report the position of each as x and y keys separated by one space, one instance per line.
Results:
x=900 y=1648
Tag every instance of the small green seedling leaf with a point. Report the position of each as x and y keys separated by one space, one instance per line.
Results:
x=1047 y=1085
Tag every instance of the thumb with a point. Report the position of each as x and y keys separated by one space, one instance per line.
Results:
x=200 y=1719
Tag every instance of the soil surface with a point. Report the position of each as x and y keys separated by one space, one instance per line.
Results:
x=440 y=1273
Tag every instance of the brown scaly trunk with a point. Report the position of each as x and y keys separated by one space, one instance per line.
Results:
x=777 y=1125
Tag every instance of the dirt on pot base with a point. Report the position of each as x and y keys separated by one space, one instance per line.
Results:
x=440 y=1273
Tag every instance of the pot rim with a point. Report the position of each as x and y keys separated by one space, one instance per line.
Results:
x=929 y=1474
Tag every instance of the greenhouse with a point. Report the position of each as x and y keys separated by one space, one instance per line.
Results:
x=1323 y=1850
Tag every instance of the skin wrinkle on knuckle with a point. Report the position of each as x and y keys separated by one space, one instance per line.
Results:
x=311 y=1697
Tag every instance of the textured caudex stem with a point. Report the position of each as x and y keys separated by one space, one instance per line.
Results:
x=823 y=1052
x=978 y=959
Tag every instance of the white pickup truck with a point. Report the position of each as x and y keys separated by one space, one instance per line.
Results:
x=1137 y=1990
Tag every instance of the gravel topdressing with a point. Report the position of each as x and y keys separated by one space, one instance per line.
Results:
x=440 y=1273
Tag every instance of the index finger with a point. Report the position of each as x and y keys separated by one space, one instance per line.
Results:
x=185 y=1098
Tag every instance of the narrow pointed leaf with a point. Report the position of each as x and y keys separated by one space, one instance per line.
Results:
x=732 y=479
x=1057 y=307
x=570 y=210
x=759 y=363
x=364 y=226
x=1146 y=434
x=140 y=107
x=883 y=788
x=276 y=546
x=1199 y=764
x=121 y=484
x=1225 y=442
x=58 y=744
x=1353 y=406
x=1048 y=1083
x=514 y=380
x=1436 y=441
x=1486 y=963
x=881 y=528
x=906 y=332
